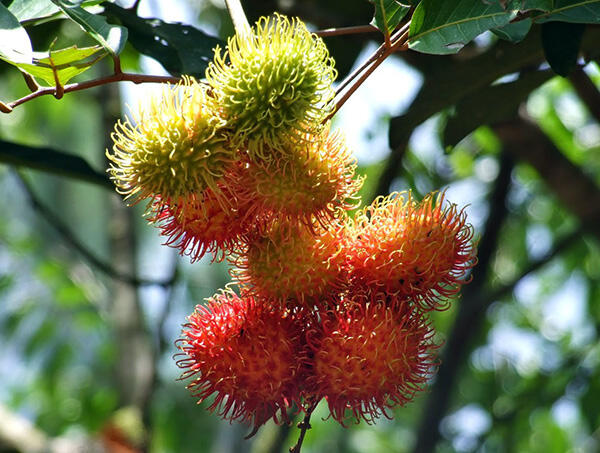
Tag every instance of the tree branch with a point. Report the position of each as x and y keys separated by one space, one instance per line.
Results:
x=116 y=77
x=353 y=30
x=304 y=426
x=587 y=91
x=52 y=161
x=575 y=189
x=466 y=323
x=68 y=236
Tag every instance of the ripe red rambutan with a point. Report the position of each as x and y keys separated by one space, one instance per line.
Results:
x=247 y=352
x=418 y=250
x=312 y=179
x=370 y=354
x=291 y=261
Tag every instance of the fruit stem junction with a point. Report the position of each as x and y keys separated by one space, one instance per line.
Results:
x=304 y=426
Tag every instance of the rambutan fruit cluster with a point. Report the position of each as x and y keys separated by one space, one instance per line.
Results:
x=244 y=166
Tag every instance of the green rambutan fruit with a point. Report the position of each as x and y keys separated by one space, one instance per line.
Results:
x=273 y=85
x=176 y=147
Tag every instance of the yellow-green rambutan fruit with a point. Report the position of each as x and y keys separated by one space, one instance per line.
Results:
x=273 y=85
x=421 y=251
x=175 y=146
x=314 y=179
x=292 y=262
x=370 y=353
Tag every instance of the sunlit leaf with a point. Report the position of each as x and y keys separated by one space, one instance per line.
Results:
x=15 y=45
x=64 y=63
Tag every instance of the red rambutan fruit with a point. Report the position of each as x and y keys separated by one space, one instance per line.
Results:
x=370 y=354
x=247 y=352
x=312 y=179
x=421 y=251
x=291 y=261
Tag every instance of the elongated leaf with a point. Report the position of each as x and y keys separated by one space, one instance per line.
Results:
x=491 y=104
x=15 y=45
x=444 y=27
x=577 y=11
x=388 y=14
x=181 y=49
x=561 y=41
x=111 y=37
x=64 y=63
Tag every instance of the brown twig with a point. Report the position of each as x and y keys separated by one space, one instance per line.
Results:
x=397 y=41
x=304 y=426
x=353 y=30
x=116 y=77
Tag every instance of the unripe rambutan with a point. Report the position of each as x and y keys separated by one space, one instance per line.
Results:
x=176 y=147
x=370 y=354
x=417 y=250
x=273 y=85
x=247 y=352
x=310 y=180
x=291 y=261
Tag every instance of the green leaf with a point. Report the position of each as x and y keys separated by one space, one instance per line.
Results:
x=388 y=14
x=515 y=31
x=181 y=49
x=491 y=105
x=444 y=27
x=561 y=42
x=15 y=45
x=582 y=11
x=35 y=10
x=26 y=10
x=64 y=63
x=111 y=37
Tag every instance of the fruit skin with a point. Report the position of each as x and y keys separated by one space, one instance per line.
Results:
x=311 y=180
x=290 y=261
x=202 y=223
x=371 y=353
x=248 y=352
x=273 y=86
x=422 y=251
x=176 y=148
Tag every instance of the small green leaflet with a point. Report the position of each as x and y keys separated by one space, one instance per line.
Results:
x=388 y=14
x=62 y=65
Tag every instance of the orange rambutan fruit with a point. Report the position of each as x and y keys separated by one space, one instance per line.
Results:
x=420 y=250
x=246 y=351
x=370 y=353
x=202 y=223
x=313 y=179
x=291 y=261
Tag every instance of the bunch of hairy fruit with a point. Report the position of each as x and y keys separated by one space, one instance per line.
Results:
x=324 y=305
